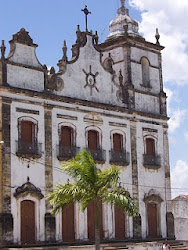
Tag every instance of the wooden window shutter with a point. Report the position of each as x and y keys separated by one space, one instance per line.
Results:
x=27 y=132
x=66 y=136
x=93 y=139
x=117 y=143
x=150 y=146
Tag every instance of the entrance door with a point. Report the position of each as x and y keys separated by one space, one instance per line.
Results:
x=68 y=231
x=91 y=220
x=119 y=224
x=152 y=220
x=27 y=222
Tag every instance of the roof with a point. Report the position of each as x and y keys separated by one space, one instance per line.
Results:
x=181 y=196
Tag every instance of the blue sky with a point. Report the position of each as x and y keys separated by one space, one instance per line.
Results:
x=49 y=23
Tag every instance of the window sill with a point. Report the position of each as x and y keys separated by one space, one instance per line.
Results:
x=154 y=166
x=119 y=163
x=28 y=155
x=146 y=86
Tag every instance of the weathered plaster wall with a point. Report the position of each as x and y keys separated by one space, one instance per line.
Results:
x=180 y=211
x=22 y=168
x=147 y=103
x=25 y=55
x=105 y=91
x=25 y=78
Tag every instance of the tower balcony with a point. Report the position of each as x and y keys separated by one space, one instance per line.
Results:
x=152 y=161
x=119 y=158
x=32 y=149
x=99 y=155
x=66 y=153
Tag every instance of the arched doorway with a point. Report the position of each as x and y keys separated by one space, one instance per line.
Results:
x=68 y=226
x=152 y=220
x=119 y=224
x=27 y=222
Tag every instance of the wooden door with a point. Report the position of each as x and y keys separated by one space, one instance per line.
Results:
x=68 y=227
x=150 y=146
x=93 y=139
x=119 y=224
x=152 y=220
x=27 y=222
x=91 y=220
x=66 y=137
x=117 y=143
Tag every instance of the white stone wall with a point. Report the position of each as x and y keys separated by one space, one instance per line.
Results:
x=136 y=70
x=20 y=170
x=25 y=78
x=147 y=103
x=150 y=178
x=24 y=54
x=110 y=121
x=180 y=212
x=75 y=83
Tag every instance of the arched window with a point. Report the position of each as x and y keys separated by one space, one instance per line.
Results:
x=94 y=145
x=27 y=137
x=150 y=147
x=67 y=148
x=117 y=143
x=145 y=72
x=66 y=137
x=93 y=139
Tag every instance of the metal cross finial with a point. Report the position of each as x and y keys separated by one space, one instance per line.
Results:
x=86 y=12
x=122 y=3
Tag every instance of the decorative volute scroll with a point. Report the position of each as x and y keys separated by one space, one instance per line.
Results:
x=28 y=188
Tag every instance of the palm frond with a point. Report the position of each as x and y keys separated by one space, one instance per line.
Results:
x=120 y=198
x=108 y=177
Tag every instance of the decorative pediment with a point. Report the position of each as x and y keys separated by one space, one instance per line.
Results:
x=152 y=196
x=28 y=188
x=23 y=37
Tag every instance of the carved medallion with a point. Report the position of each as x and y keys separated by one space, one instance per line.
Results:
x=91 y=80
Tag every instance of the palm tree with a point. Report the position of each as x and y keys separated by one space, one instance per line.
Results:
x=88 y=183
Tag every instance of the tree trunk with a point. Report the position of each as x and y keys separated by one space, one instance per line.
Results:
x=97 y=230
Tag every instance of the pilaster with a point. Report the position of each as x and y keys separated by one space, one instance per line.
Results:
x=137 y=233
x=49 y=219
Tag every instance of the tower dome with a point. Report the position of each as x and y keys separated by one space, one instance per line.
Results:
x=123 y=24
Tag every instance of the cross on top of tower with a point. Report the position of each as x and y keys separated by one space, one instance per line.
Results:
x=86 y=12
x=122 y=3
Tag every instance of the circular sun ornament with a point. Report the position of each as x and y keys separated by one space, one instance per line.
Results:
x=91 y=80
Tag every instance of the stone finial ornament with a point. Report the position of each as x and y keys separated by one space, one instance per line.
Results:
x=52 y=70
x=78 y=32
x=3 y=48
x=23 y=37
x=64 y=50
x=96 y=37
x=157 y=36
x=122 y=3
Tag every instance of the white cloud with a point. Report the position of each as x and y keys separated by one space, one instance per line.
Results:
x=186 y=135
x=171 y=17
x=177 y=117
x=179 y=178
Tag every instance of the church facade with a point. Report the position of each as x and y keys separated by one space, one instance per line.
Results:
x=107 y=98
